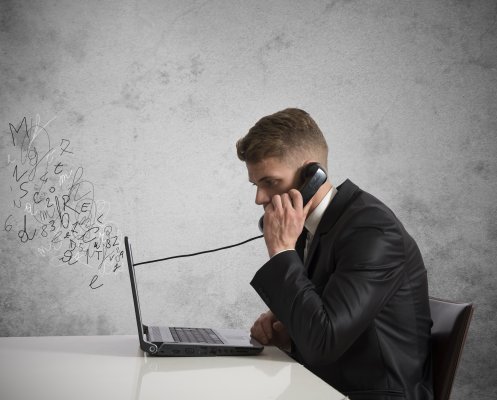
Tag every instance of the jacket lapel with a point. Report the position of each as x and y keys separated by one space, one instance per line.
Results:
x=346 y=193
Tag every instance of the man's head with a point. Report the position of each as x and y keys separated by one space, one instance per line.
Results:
x=290 y=135
x=277 y=147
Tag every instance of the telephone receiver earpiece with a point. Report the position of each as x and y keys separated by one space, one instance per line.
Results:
x=312 y=177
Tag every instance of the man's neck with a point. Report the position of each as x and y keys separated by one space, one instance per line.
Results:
x=316 y=199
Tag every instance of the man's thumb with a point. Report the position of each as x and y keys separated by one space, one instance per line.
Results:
x=278 y=326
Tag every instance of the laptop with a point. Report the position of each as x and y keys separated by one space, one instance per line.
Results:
x=187 y=342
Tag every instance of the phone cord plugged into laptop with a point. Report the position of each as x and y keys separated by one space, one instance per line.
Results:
x=313 y=176
x=200 y=252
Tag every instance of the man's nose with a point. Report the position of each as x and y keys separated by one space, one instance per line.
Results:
x=262 y=197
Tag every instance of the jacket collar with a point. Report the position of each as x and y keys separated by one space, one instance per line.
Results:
x=347 y=192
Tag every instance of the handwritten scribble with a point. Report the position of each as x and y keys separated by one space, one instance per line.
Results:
x=54 y=206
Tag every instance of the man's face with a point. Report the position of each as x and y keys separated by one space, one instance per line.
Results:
x=271 y=176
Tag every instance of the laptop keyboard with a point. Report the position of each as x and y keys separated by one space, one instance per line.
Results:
x=195 y=335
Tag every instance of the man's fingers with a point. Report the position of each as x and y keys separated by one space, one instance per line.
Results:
x=258 y=333
x=276 y=201
x=292 y=199
x=296 y=198
x=298 y=201
x=262 y=330
x=307 y=207
x=286 y=201
x=267 y=328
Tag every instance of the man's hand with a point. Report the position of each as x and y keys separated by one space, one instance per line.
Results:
x=268 y=330
x=284 y=219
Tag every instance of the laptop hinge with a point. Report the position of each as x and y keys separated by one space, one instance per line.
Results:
x=145 y=345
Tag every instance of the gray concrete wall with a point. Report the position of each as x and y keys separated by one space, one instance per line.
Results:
x=140 y=103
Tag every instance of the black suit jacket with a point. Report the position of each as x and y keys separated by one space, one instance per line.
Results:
x=357 y=311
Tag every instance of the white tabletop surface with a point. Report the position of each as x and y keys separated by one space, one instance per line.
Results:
x=114 y=368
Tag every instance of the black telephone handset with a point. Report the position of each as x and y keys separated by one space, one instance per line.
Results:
x=313 y=176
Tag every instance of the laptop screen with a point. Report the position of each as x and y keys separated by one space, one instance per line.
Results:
x=131 y=267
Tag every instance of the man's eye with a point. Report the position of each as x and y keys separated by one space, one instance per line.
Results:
x=268 y=184
x=271 y=183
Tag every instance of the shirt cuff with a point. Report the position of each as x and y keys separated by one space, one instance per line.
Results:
x=281 y=251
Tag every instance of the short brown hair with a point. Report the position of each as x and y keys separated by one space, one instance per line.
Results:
x=287 y=133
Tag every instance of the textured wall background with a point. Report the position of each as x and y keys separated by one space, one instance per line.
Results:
x=137 y=106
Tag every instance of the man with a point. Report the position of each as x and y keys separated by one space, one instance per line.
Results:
x=351 y=304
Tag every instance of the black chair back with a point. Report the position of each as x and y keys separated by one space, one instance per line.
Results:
x=450 y=326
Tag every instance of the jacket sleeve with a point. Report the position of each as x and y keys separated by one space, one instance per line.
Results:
x=368 y=257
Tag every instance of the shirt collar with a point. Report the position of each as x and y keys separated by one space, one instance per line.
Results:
x=312 y=221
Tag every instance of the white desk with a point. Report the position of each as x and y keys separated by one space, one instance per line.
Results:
x=114 y=368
